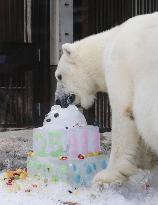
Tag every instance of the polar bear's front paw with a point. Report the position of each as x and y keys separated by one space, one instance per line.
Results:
x=106 y=176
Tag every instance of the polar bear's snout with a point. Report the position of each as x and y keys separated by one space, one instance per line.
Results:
x=65 y=100
x=63 y=97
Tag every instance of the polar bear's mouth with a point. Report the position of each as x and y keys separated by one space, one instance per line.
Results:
x=65 y=100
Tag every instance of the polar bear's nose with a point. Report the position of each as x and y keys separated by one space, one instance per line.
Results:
x=58 y=102
x=65 y=101
x=62 y=102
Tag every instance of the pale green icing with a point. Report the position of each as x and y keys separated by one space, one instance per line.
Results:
x=55 y=142
x=63 y=169
x=42 y=145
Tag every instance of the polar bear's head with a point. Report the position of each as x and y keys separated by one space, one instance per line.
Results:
x=77 y=74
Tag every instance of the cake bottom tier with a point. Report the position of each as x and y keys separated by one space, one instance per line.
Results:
x=77 y=172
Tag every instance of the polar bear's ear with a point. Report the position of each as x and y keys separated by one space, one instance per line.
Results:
x=67 y=49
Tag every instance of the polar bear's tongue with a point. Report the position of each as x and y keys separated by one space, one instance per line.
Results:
x=64 y=118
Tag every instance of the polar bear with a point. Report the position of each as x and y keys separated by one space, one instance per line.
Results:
x=122 y=61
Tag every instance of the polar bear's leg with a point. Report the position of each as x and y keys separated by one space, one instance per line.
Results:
x=125 y=139
x=122 y=161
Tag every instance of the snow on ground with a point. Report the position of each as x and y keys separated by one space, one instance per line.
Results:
x=141 y=189
x=13 y=148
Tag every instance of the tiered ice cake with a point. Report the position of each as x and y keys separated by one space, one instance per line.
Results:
x=66 y=148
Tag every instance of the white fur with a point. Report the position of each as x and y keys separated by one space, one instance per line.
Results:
x=124 y=62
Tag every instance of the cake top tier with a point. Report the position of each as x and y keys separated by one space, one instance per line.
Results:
x=61 y=118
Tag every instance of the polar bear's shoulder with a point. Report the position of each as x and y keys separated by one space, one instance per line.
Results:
x=142 y=21
x=134 y=30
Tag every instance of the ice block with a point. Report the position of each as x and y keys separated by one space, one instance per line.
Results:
x=66 y=149
x=75 y=172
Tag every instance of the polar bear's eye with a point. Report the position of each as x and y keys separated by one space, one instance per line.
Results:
x=59 y=77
